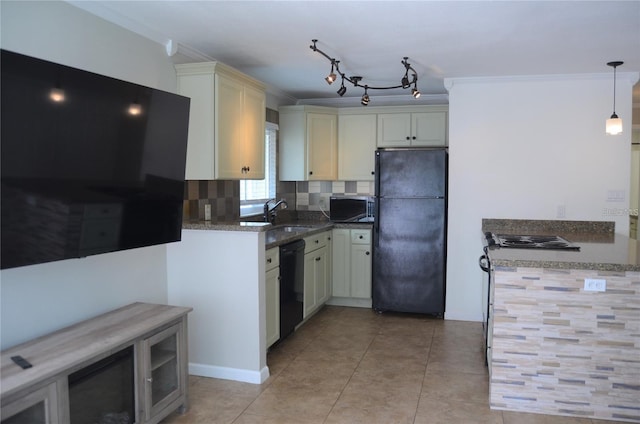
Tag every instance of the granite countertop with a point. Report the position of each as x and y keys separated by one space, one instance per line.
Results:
x=601 y=249
x=274 y=239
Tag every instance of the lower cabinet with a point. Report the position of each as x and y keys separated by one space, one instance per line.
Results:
x=351 y=277
x=272 y=295
x=317 y=288
x=38 y=407
x=164 y=377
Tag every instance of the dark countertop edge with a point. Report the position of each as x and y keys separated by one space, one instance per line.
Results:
x=315 y=230
x=578 y=229
x=587 y=266
x=226 y=226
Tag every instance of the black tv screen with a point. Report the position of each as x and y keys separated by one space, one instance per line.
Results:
x=90 y=164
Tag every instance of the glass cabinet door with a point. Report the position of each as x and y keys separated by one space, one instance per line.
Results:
x=39 y=407
x=162 y=370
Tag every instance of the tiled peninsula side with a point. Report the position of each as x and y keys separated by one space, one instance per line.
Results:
x=556 y=348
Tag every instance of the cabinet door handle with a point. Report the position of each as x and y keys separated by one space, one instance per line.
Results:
x=318 y=258
x=150 y=380
x=317 y=241
x=249 y=168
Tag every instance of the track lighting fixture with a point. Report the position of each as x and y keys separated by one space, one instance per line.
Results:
x=614 y=124
x=405 y=82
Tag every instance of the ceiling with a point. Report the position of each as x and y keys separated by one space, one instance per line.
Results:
x=270 y=40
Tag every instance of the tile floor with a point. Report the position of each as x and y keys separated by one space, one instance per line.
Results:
x=352 y=365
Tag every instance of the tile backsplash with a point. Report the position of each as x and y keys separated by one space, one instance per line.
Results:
x=314 y=195
x=222 y=195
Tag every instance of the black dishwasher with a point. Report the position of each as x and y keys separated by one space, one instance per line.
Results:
x=291 y=286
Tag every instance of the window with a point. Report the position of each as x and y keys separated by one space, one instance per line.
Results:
x=254 y=193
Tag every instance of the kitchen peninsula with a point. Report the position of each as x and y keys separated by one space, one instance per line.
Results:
x=557 y=348
x=219 y=270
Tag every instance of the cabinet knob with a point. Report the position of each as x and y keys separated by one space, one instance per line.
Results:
x=269 y=260
x=317 y=241
x=414 y=137
x=360 y=236
x=249 y=168
x=149 y=380
x=318 y=258
x=366 y=253
x=408 y=138
x=373 y=173
x=310 y=172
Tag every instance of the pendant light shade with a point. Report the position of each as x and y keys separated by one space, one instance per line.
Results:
x=614 y=124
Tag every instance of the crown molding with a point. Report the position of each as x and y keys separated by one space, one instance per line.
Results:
x=394 y=100
x=630 y=77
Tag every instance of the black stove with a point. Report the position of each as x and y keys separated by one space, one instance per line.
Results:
x=516 y=241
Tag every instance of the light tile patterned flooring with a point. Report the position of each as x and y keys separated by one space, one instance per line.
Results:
x=352 y=365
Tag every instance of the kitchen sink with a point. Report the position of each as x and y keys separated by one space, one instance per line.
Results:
x=282 y=233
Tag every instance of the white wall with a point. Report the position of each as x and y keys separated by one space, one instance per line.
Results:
x=38 y=299
x=523 y=148
x=221 y=275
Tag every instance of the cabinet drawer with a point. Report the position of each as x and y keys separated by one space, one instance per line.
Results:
x=361 y=236
x=314 y=242
x=272 y=258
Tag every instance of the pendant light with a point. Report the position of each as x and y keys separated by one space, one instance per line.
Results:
x=614 y=124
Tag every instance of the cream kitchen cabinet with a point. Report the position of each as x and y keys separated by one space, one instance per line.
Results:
x=317 y=289
x=308 y=143
x=356 y=147
x=351 y=274
x=226 y=122
x=412 y=129
x=272 y=295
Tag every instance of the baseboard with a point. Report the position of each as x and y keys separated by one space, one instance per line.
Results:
x=462 y=316
x=226 y=373
x=350 y=301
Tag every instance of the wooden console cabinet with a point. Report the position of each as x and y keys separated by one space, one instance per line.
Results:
x=158 y=335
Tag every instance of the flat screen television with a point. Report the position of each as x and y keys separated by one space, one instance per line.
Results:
x=90 y=164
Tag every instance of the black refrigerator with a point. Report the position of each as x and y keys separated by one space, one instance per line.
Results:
x=410 y=231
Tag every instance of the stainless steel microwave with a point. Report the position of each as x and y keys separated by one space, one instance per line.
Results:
x=351 y=208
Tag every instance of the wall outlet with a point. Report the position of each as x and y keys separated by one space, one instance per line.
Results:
x=594 y=284
x=207 y=212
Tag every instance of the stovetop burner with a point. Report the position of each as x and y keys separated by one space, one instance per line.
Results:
x=530 y=242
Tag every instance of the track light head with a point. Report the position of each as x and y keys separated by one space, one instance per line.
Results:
x=415 y=93
x=365 y=97
x=342 y=89
x=330 y=78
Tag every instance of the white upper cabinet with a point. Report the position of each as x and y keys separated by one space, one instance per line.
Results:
x=412 y=129
x=308 y=143
x=226 y=122
x=356 y=147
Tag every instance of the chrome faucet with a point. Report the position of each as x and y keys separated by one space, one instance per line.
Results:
x=270 y=212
